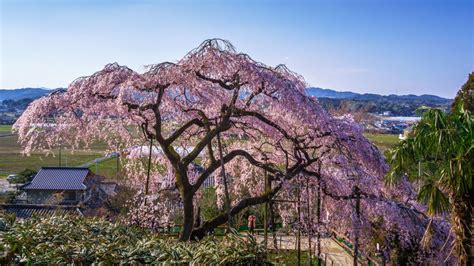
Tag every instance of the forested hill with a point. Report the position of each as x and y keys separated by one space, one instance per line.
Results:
x=14 y=102
x=24 y=93
x=399 y=105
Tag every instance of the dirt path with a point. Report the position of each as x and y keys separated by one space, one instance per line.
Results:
x=99 y=160
x=336 y=255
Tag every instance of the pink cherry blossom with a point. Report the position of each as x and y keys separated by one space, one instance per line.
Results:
x=266 y=122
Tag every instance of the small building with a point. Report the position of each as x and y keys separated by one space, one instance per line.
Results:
x=61 y=190
x=61 y=186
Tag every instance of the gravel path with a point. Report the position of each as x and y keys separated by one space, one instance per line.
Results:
x=336 y=255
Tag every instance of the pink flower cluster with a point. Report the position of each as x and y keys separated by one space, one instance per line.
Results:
x=265 y=120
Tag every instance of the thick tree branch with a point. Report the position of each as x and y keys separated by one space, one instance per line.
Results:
x=207 y=226
x=176 y=134
x=204 y=142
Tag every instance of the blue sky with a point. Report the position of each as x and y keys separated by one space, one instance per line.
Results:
x=377 y=46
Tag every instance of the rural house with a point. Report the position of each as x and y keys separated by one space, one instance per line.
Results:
x=61 y=185
x=61 y=190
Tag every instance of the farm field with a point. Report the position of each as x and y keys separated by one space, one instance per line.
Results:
x=13 y=161
x=383 y=141
x=5 y=129
x=106 y=168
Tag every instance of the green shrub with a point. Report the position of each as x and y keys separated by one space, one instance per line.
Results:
x=24 y=176
x=8 y=196
x=71 y=239
x=209 y=203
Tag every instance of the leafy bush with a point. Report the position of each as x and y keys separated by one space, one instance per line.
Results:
x=8 y=196
x=70 y=239
x=117 y=204
x=24 y=176
x=208 y=204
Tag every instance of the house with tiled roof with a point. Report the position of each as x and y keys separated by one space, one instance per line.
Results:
x=61 y=190
x=61 y=185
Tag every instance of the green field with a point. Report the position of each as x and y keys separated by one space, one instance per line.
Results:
x=383 y=141
x=5 y=129
x=13 y=161
x=106 y=168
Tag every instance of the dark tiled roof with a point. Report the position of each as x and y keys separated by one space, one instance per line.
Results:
x=59 y=178
x=28 y=210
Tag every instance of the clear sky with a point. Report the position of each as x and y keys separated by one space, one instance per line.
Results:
x=378 y=46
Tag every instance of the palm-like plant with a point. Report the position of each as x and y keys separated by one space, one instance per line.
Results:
x=439 y=154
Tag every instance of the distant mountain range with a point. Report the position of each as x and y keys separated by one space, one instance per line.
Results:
x=328 y=93
x=33 y=93
x=335 y=101
x=24 y=93
x=400 y=105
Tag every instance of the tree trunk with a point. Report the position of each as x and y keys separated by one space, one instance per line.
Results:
x=470 y=222
x=471 y=228
x=188 y=221
x=462 y=219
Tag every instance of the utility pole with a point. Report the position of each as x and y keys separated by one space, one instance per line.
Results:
x=265 y=215
x=147 y=184
x=117 y=162
x=318 y=217
x=356 y=195
x=60 y=147
x=272 y=217
x=224 y=177
x=117 y=166
x=299 y=223
x=310 y=222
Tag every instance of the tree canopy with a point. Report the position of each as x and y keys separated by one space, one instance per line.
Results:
x=466 y=94
x=217 y=110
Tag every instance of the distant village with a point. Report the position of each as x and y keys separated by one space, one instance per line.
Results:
x=11 y=110
x=388 y=124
